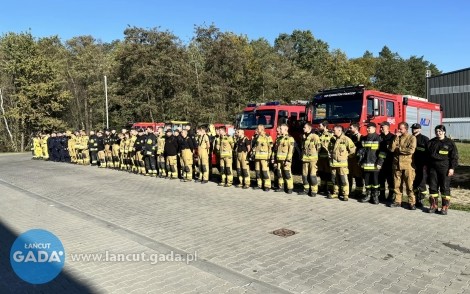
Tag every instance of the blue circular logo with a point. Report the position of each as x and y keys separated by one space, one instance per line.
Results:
x=37 y=256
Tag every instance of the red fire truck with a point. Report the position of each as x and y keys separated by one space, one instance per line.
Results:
x=272 y=115
x=144 y=125
x=356 y=104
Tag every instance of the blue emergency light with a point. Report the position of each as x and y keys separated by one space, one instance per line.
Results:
x=273 y=103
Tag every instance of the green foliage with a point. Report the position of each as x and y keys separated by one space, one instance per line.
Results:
x=152 y=76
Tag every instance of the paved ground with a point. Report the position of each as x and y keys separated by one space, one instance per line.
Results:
x=339 y=247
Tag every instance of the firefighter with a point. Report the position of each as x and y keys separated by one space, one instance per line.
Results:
x=132 y=140
x=126 y=157
x=186 y=149
x=277 y=172
x=262 y=150
x=420 y=159
x=179 y=160
x=444 y=159
x=115 y=142
x=203 y=151
x=403 y=147
x=71 y=142
x=371 y=163
x=37 y=149
x=122 y=153
x=93 y=148
x=355 y=170
x=310 y=145
x=77 y=147
x=50 y=146
x=284 y=152
x=340 y=148
x=101 y=149
x=45 y=149
x=324 y=170
x=385 y=175
x=225 y=150
x=162 y=172
x=85 y=151
x=139 y=152
x=243 y=148
x=215 y=142
x=149 y=153
x=170 y=153
x=107 y=149
x=63 y=147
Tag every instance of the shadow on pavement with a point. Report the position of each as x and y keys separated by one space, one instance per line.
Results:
x=11 y=283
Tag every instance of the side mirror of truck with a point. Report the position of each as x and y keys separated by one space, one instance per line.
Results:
x=376 y=107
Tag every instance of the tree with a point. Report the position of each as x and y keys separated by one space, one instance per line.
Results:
x=391 y=72
x=34 y=88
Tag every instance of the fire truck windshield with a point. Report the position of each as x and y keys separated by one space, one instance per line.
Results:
x=337 y=109
x=251 y=119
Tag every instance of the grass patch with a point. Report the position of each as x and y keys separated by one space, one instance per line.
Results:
x=464 y=153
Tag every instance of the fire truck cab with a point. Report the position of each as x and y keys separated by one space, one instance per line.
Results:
x=344 y=106
x=272 y=115
x=144 y=125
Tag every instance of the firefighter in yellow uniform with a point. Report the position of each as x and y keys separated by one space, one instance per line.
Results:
x=262 y=149
x=310 y=145
x=284 y=152
x=45 y=148
x=403 y=147
x=161 y=165
x=324 y=170
x=340 y=149
x=122 y=153
x=37 y=149
x=187 y=147
x=203 y=150
x=71 y=142
x=85 y=151
x=225 y=150
x=107 y=149
x=243 y=147
x=127 y=160
x=78 y=147
x=132 y=140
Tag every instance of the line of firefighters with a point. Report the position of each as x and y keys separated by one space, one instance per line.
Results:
x=401 y=161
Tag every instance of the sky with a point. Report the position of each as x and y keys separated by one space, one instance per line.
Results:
x=437 y=30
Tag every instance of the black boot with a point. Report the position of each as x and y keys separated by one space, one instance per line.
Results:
x=367 y=197
x=419 y=200
x=382 y=196
x=445 y=206
x=375 y=196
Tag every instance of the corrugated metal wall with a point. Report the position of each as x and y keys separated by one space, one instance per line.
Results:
x=457 y=129
x=452 y=91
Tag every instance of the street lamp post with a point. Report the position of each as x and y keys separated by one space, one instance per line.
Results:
x=106 y=97
x=428 y=75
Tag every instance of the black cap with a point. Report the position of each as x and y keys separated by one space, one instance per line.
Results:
x=169 y=131
x=140 y=130
x=385 y=123
x=371 y=124
x=416 y=126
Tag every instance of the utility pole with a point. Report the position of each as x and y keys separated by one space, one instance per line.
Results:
x=106 y=96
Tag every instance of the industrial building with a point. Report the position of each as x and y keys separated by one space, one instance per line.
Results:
x=452 y=91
